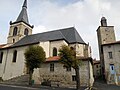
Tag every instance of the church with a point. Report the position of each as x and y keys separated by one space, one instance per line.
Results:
x=20 y=37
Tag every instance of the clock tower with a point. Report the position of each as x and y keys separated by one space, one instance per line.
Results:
x=105 y=35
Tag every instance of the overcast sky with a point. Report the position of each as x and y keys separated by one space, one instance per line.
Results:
x=48 y=15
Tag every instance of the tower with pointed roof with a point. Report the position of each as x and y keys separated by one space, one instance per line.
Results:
x=20 y=27
x=105 y=35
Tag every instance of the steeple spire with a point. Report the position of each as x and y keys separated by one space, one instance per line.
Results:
x=23 y=17
x=23 y=14
x=25 y=4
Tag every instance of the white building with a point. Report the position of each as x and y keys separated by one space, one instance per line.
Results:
x=20 y=37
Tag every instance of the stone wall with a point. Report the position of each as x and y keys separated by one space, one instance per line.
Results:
x=62 y=76
x=115 y=60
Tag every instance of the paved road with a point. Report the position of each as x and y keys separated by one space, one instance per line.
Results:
x=103 y=86
x=97 y=86
x=12 y=87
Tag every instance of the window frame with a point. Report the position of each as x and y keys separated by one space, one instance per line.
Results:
x=14 y=56
x=26 y=31
x=110 y=55
x=13 y=40
x=54 y=51
x=1 y=57
x=68 y=69
x=74 y=78
x=52 y=67
x=97 y=66
x=15 y=30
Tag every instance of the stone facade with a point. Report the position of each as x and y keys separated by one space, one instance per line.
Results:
x=105 y=35
x=62 y=76
x=112 y=63
x=21 y=27
x=96 y=68
x=109 y=53
x=20 y=37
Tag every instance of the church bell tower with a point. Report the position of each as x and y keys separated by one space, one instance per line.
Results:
x=20 y=27
x=105 y=35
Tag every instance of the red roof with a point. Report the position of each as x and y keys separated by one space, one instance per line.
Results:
x=55 y=58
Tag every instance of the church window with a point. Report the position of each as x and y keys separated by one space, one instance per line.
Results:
x=54 y=51
x=26 y=31
x=1 y=57
x=72 y=48
x=110 y=55
x=52 y=67
x=13 y=40
x=14 y=56
x=15 y=31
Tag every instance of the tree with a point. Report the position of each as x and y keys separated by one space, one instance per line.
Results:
x=34 y=56
x=68 y=58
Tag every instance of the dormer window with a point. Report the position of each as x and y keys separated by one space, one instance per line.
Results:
x=26 y=31
x=15 y=31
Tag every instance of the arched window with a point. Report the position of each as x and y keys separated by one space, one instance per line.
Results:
x=26 y=31
x=15 y=31
x=54 y=51
x=72 y=48
x=13 y=40
x=1 y=57
x=14 y=56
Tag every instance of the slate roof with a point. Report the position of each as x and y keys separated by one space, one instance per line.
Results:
x=70 y=35
x=23 y=16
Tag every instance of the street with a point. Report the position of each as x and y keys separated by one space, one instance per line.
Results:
x=101 y=85
x=97 y=86
x=12 y=87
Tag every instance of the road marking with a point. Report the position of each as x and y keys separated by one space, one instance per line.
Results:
x=19 y=87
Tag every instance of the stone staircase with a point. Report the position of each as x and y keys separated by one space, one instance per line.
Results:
x=20 y=80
